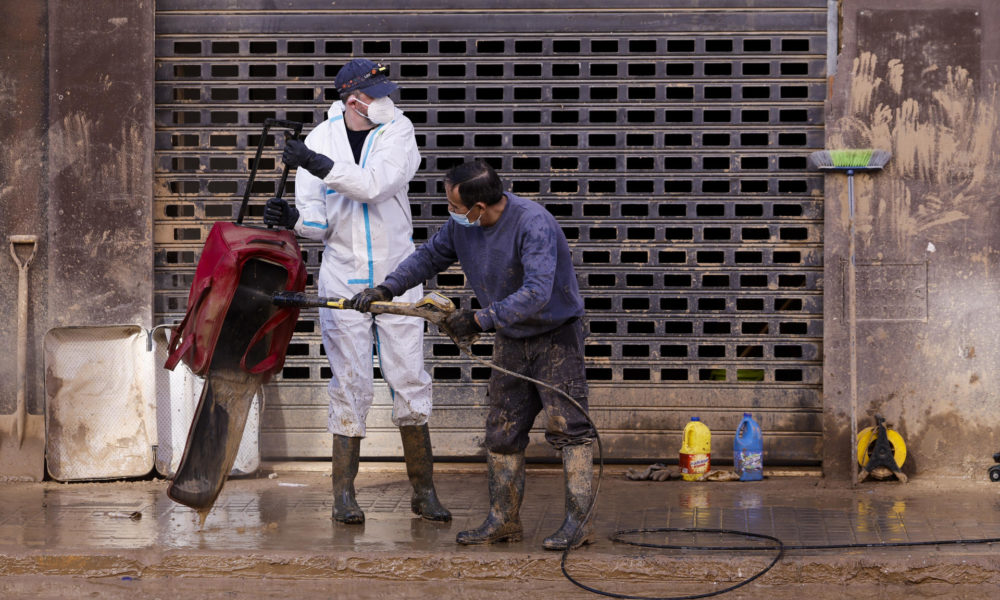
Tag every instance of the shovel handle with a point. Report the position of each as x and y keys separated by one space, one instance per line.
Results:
x=22 y=330
x=23 y=239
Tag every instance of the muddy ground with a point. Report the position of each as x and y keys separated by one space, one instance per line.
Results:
x=272 y=537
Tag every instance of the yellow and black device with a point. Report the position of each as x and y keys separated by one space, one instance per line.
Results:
x=881 y=452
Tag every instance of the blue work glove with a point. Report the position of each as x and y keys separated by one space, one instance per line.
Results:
x=279 y=212
x=462 y=324
x=362 y=302
x=297 y=154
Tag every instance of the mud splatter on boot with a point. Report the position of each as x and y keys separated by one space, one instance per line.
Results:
x=420 y=470
x=346 y=455
x=578 y=466
x=506 y=487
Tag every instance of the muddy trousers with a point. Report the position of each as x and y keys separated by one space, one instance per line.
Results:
x=505 y=475
x=419 y=469
x=578 y=468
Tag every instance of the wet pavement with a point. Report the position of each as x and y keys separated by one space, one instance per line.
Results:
x=272 y=537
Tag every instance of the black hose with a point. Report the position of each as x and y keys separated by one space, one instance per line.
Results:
x=777 y=544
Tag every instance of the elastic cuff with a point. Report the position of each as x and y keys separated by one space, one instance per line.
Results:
x=320 y=166
x=484 y=319
x=386 y=286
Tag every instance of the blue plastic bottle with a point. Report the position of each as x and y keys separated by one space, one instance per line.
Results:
x=748 y=450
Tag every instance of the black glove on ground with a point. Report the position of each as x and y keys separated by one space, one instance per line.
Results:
x=363 y=301
x=462 y=323
x=297 y=154
x=279 y=212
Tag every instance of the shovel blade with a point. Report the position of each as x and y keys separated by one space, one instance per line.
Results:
x=22 y=460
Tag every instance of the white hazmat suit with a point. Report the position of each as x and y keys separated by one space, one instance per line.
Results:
x=360 y=211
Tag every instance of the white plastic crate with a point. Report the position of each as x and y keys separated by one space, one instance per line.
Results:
x=98 y=395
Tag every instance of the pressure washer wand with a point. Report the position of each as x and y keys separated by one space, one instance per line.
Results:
x=301 y=300
x=433 y=307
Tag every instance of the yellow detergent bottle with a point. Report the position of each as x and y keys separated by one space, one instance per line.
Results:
x=696 y=450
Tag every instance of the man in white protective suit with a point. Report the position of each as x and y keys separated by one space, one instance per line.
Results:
x=350 y=193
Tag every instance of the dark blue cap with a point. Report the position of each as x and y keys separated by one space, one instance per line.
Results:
x=366 y=76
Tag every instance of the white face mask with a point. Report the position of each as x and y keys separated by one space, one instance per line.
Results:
x=380 y=111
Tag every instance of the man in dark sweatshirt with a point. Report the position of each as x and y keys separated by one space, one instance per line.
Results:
x=517 y=261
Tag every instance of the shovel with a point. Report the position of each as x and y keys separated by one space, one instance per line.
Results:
x=18 y=459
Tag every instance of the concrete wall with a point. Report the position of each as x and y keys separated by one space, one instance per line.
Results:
x=23 y=193
x=918 y=78
x=75 y=170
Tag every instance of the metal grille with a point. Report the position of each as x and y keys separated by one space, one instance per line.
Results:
x=668 y=139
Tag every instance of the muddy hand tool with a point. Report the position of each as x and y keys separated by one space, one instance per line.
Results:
x=433 y=307
x=22 y=328
x=22 y=435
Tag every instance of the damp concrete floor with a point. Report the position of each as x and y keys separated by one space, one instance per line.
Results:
x=271 y=536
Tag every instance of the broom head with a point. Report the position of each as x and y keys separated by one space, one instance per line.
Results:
x=850 y=160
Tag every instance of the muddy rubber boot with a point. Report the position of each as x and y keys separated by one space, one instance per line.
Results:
x=506 y=486
x=346 y=454
x=578 y=465
x=420 y=469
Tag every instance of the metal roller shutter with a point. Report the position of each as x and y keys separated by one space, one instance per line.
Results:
x=669 y=138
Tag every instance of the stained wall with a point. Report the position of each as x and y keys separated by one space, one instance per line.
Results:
x=75 y=170
x=917 y=78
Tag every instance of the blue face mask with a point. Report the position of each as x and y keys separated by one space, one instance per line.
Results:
x=464 y=221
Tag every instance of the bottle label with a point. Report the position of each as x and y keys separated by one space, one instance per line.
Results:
x=692 y=464
x=751 y=461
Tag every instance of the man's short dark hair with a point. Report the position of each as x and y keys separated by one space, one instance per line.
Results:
x=476 y=182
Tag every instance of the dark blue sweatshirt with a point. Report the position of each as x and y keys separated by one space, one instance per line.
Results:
x=520 y=268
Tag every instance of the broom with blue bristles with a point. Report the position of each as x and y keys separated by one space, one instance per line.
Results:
x=851 y=162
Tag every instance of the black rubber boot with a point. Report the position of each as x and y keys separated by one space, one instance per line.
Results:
x=346 y=454
x=578 y=465
x=506 y=486
x=420 y=469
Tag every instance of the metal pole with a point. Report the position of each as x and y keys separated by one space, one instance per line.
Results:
x=852 y=334
x=832 y=36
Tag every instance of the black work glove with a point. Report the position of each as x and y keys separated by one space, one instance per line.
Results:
x=279 y=212
x=462 y=323
x=363 y=301
x=297 y=154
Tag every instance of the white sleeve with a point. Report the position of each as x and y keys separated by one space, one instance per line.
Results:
x=310 y=200
x=389 y=161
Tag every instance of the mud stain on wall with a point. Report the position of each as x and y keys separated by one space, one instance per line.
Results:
x=101 y=177
x=942 y=169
